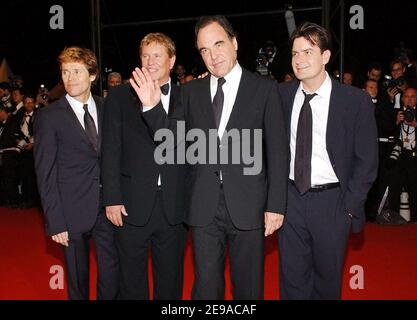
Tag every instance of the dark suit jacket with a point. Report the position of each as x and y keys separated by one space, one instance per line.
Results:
x=351 y=139
x=19 y=119
x=247 y=196
x=67 y=168
x=8 y=132
x=129 y=171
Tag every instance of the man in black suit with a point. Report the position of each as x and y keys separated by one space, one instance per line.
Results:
x=227 y=206
x=334 y=160
x=26 y=160
x=9 y=159
x=67 y=162
x=145 y=201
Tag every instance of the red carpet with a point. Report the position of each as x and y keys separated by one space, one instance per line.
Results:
x=387 y=256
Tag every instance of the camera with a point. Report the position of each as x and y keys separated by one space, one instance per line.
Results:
x=390 y=83
x=409 y=114
x=395 y=153
x=262 y=65
x=7 y=103
x=43 y=91
x=265 y=57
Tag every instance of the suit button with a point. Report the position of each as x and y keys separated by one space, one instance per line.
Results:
x=216 y=173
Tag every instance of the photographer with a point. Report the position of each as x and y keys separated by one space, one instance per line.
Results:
x=404 y=162
x=266 y=62
x=6 y=97
x=385 y=117
x=8 y=159
x=397 y=84
x=27 y=175
x=42 y=98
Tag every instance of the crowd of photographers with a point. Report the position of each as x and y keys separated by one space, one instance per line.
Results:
x=394 y=96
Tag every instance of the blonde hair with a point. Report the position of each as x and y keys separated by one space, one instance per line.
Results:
x=161 y=39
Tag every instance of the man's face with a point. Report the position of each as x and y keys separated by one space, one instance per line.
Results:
x=77 y=80
x=114 y=81
x=154 y=57
x=308 y=62
x=219 y=53
x=374 y=74
x=3 y=115
x=29 y=104
x=180 y=70
x=410 y=97
x=372 y=88
x=16 y=96
x=347 y=78
x=397 y=70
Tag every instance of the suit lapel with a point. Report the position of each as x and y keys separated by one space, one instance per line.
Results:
x=173 y=97
x=292 y=90
x=99 y=107
x=333 y=119
x=244 y=94
x=72 y=117
x=206 y=103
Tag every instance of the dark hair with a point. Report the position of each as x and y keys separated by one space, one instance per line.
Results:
x=30 y=94
x=204 y=21
x=375 y=65
x=396 y=61
x=369 y=80
x=21 y=90
x=5 y=86
x=313 y=33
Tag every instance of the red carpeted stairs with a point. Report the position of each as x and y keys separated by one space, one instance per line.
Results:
x=386 y=255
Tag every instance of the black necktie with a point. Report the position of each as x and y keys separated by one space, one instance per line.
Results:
x=165 y=89
x=303 y=147
x=218 y=101
x=90 y=127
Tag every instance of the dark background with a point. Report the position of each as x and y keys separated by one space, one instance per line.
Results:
x=31 y=47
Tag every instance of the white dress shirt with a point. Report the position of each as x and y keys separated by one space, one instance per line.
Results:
x=25 y=123
x=77 y=106
x=408 y=136
x=18 y=107
x=230 y=88
x=165 y=103
x=321 y=168
x=397 y=101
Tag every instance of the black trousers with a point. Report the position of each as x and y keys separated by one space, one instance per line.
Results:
x=166 y=242
x=246 y=249
x=77 y=262
x=404 y=174
x=9 y=192
x=312 y=244
x=377 y=190
x=28 y=178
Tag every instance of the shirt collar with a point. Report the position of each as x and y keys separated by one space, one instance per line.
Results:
x=77 y=104
x=325 y=89
x=232 y=77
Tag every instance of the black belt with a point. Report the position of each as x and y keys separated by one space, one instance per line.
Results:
x=321 y=187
